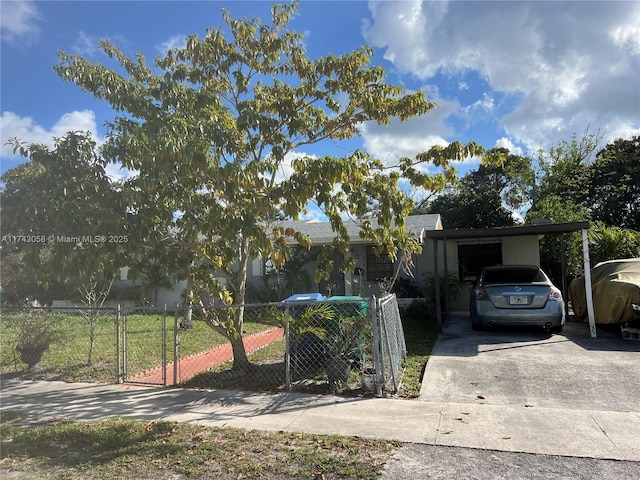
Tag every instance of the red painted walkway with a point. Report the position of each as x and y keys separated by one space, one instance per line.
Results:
x=194 y=364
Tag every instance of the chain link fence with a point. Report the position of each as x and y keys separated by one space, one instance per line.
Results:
x=69 y=344
x=344 y=343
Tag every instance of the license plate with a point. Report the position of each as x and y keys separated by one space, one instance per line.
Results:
x=518 y=300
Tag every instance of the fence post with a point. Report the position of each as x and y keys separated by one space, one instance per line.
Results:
x=123 y=323
x=287 y=353
x=117 y=344
x=164 y=346
x=377 y=345
x=176 y=342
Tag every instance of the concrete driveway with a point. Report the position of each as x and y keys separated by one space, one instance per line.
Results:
x=531 y=368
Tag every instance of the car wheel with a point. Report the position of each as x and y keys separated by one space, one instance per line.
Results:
x=556 y=329
x=476 y=327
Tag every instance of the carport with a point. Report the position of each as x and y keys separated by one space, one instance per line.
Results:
x=541 y=229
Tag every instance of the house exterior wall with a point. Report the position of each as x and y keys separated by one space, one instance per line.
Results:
x=515 y=250
x=524 y=250
x=521 y=250
x=170 y=297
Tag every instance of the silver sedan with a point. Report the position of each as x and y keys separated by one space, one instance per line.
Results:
x=516 y=295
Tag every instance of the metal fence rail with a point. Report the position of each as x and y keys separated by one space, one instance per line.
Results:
x=318 y=346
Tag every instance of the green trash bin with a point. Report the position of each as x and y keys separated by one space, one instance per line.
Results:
x=349 y=305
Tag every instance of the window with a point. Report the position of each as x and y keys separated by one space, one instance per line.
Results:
x=378 y=267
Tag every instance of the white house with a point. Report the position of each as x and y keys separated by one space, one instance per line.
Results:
x=457 y=253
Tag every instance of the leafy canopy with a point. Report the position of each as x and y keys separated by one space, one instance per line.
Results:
x=63 y=201
x=212 y=126
x=481 y=197
x=216 y=133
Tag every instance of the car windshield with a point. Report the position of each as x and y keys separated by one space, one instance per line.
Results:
x=514 y=275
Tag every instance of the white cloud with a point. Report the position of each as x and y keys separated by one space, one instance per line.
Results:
x=407 y=139
x=25 y=129
x=177 y=41
x=486 y=105
x=569 y=64
x=505 y=142
x=19 y=21
x=86 y=44
x=628 y=36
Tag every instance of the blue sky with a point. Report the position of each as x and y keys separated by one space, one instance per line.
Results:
x=509 y=73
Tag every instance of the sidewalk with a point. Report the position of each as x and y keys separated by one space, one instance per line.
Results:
x=552 y=431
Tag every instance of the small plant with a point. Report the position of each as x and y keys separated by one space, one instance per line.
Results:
x=406 y=288
x=36 y=333
x=346 y=343
x=450 y=283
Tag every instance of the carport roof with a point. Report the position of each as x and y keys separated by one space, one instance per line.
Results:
x=538 y=229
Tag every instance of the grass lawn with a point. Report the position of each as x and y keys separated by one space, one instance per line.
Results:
x=268 y=373
x=122 y=448
x=420 y=337
x=67 y=358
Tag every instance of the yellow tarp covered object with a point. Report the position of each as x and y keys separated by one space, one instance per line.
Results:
x=615 y=286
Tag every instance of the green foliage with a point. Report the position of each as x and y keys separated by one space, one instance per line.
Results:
x=210 y=126
x=612 y=243
x=478 y=200
x=454 y=285
x=64 y=202
x=614 y=191
x=313 y=319
x=563 y=171
x=406 y=288
x=421 y=333
x=35 y=332
x=416 y=311
x=572 y=188
x=281 y=282
x=345 y=336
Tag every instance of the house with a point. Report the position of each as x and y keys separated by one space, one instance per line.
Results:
x=457 y=254
x=370 y=269
x=365 y=278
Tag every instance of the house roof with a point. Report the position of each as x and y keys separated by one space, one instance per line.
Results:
x=321 y=233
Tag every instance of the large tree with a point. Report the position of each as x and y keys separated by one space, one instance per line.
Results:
x=485 y=197
x=65 y=218
x=211 y=129
x=614 y=189
x=563 y=171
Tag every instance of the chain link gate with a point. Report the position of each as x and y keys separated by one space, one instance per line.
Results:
x=391 y=343
x=143 y=350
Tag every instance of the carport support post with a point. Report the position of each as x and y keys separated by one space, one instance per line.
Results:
x=563 y=268
x=436 y=275
x=587 y=283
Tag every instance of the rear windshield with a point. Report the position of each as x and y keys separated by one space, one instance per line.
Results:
x=514 y=275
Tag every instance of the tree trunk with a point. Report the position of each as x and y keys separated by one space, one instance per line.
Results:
x=187 y=321
x=240 y=361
